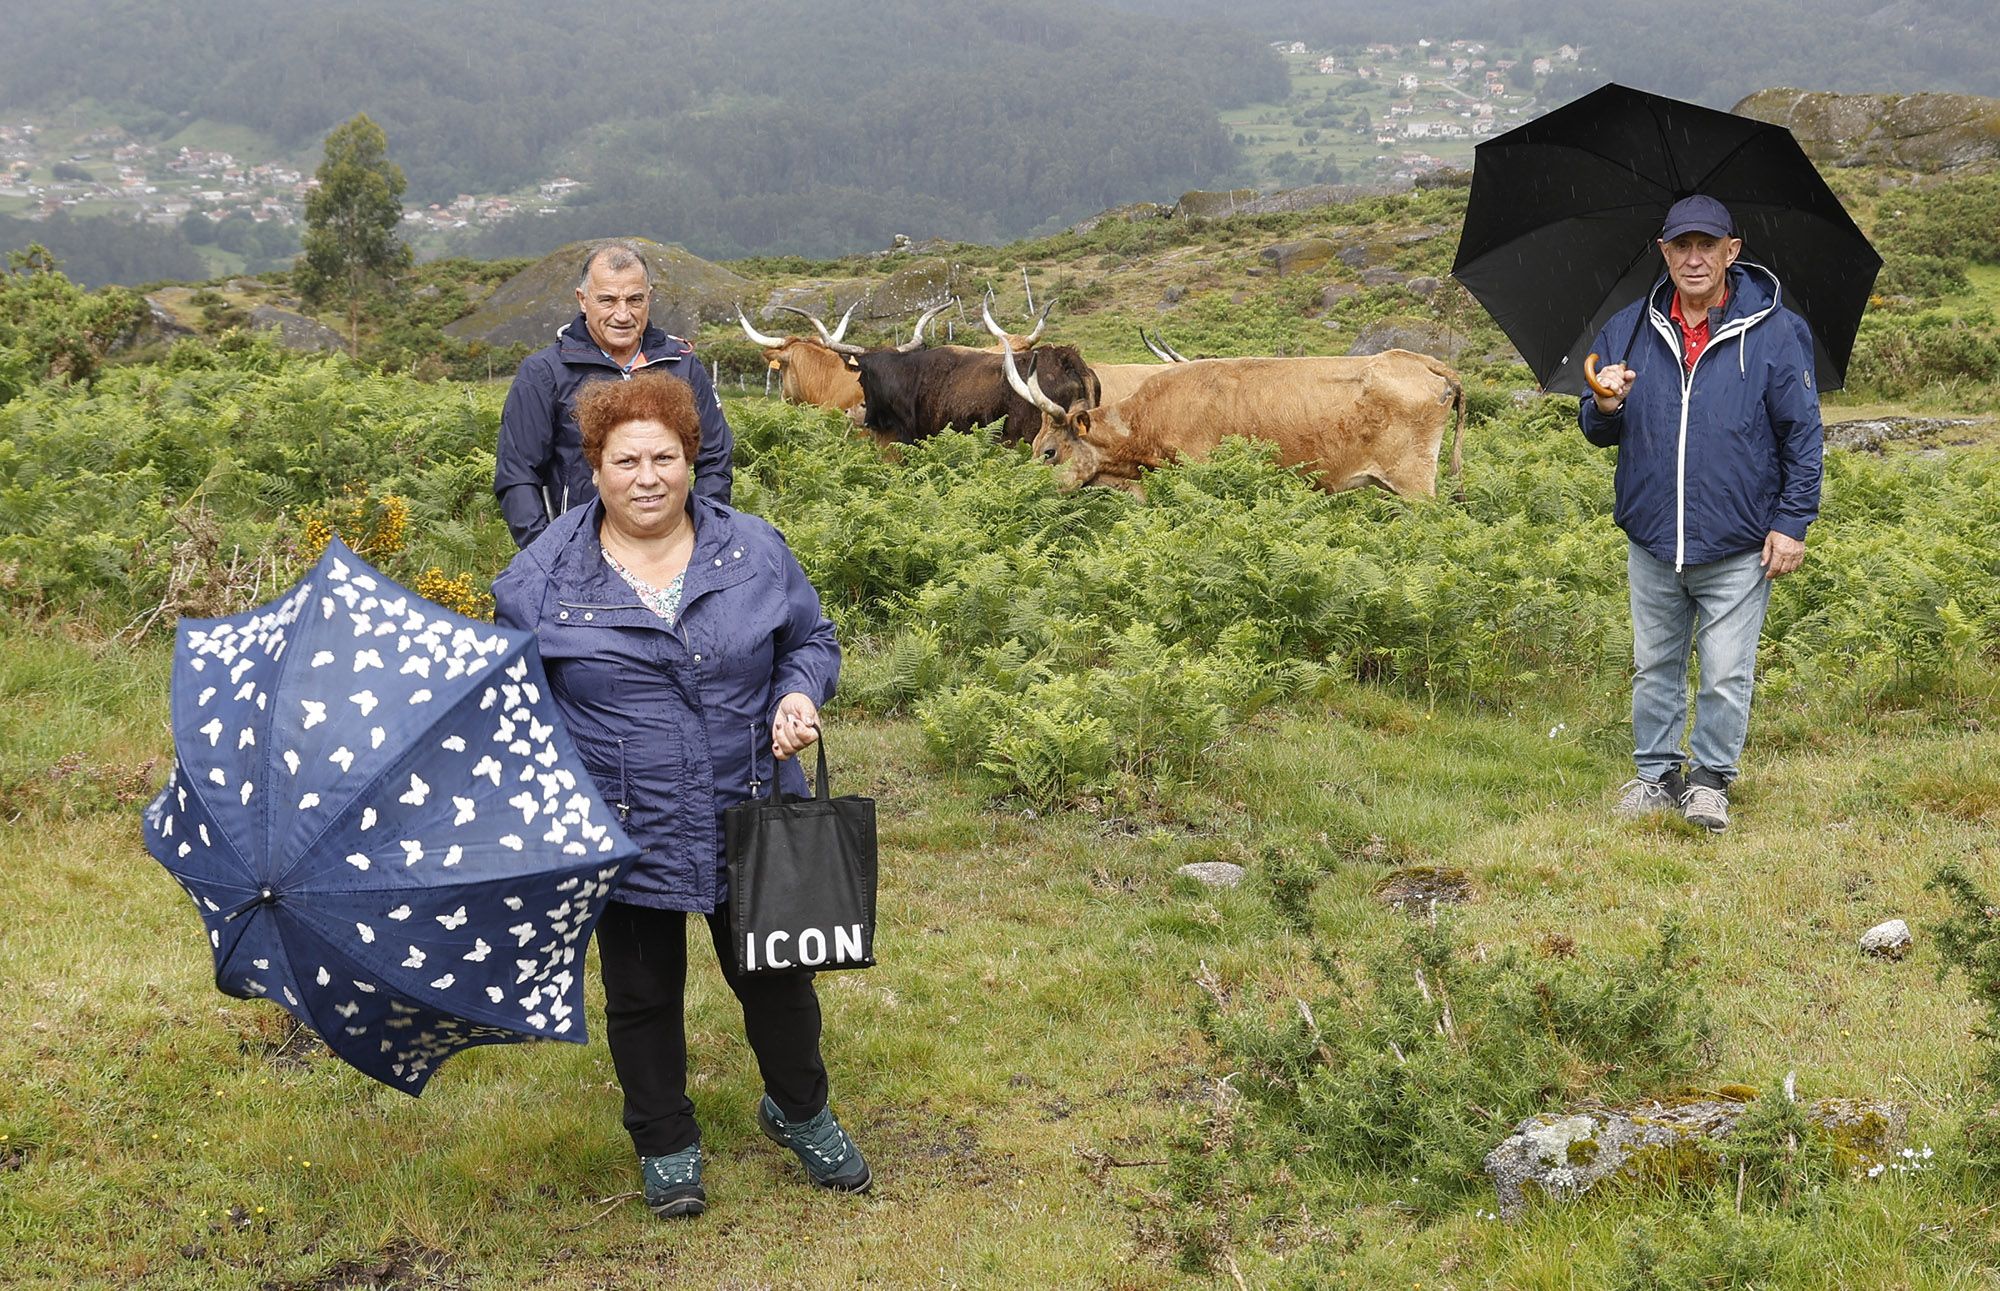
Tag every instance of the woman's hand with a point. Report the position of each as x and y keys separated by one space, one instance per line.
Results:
x=794 y=725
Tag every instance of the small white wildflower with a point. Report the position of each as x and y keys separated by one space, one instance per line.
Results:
x=1909 y=1152
x=1876 y=1169
x=1558 y=729
x=1927 y=1151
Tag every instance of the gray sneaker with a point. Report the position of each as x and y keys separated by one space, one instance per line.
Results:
x=1640 y=797
x=830 y=1157
x=1707 y=806
x=673 y=1183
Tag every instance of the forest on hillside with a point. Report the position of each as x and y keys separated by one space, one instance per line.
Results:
x=812 y=127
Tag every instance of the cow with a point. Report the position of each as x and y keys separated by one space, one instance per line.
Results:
x=1375 y=419
x=909 y=396
x=810 y=371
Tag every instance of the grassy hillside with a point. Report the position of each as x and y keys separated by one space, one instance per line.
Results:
x=1073 y=1066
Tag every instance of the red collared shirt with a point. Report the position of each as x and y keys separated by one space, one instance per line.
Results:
x=1693 y=339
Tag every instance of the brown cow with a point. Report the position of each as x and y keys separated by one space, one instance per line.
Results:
x=1378 y=419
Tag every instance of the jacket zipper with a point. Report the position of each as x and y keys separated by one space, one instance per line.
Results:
x=1666 y=328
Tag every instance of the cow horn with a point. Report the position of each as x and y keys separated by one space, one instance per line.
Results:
x=1028 y=389
x=757 y=337
x=1172 y=355
x=1041 y=321
x=917 y=334
x=1154 y=347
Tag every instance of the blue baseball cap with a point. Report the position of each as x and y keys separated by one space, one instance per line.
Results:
x=1698 y=214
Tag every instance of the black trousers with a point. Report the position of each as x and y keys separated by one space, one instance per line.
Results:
x=644 y=956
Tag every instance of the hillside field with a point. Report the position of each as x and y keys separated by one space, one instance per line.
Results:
x=1074 y=1066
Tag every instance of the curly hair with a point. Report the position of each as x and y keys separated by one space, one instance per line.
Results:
x=607 y=405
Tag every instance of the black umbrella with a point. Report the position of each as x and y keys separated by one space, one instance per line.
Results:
x=1561 y=223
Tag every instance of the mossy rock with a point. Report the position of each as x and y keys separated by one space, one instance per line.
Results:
x=1215 y=205
x=1681 y=1140
x=1131 y=213
x=1304 y=256
x=1924 y=132
x=528 y=308
x=295 y=331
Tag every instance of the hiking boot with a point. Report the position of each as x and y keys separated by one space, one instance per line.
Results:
x=1640 y=797
x=1706 y=801
x=830 y=1157
x=673 y=1183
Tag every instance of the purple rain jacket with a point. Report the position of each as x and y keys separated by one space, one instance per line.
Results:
x=1713 y=459
x=673 y=721
x=540 y=445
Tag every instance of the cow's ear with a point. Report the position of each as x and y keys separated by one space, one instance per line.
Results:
x=851 y=363
x=1081 y=422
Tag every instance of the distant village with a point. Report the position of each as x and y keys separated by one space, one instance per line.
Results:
x=103 y=171
x=1453 y=92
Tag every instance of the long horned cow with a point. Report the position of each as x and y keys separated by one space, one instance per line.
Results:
x=811 y=370
x=1375 y=419
x=908 y=396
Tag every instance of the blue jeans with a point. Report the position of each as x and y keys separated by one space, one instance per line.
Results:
x=1718 y=608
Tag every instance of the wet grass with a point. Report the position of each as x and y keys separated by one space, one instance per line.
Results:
x=1021 y=1061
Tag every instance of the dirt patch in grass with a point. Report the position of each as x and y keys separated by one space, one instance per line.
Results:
x=1416 y=889
x=399 y=1266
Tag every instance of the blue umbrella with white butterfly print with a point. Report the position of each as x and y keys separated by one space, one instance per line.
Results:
x=382 y=822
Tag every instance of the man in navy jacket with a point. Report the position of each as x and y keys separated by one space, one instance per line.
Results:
x=1716 y=421
x=538 y=466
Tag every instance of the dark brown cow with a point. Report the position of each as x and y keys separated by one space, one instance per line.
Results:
x=1378 y=419
x=911 y=396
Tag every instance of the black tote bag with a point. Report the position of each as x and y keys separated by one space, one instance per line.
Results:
x=801 y=880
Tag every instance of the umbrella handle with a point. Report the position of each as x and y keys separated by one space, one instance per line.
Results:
x=1590 y=378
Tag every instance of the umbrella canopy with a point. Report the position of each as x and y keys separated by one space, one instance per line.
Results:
x=1562 y=221
x=382 y=823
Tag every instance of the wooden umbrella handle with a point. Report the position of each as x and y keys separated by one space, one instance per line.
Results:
x=1590 y=378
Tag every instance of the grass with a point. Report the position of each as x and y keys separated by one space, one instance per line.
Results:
x=1026 y=1052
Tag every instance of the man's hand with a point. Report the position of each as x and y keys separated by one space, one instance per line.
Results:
x=794 y=726
x=1782 y=554
x=1617 y=377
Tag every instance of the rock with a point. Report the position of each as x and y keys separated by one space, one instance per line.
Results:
x=1425 y=286
x=429 y=291
x=1563 y=1156
x=1355 y=255
x=1213 y=874
x=1130 y=214
x=295 y=331
x=528 y=308
x=1380 y=277
x=1199 y=203
x=1926 y=132
x=1173 y=295
x=1335 y=292
x=1300 y=257
x=1411 y=334
x=1889 y=940
x=246 y=286
x=160 y=326
x=1869 y=435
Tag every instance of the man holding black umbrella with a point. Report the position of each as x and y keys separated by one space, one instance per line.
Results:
x=1715 y=413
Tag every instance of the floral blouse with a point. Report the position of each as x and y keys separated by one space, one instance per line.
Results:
x=663 y=601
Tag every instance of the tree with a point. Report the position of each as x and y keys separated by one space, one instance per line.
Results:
x=350 y=238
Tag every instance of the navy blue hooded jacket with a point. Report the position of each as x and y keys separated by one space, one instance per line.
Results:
x=1712 y=460
x=541 y=446
x=673 y=720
